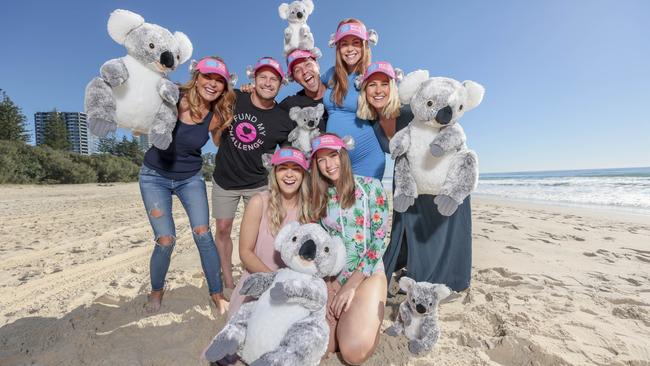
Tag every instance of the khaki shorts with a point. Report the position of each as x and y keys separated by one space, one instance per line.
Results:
x=225 y=201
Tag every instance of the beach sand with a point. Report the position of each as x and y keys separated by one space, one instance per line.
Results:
x=551 y=286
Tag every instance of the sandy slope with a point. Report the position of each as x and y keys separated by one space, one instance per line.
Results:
x=551 y=286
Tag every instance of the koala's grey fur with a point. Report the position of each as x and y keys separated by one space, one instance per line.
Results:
x=418 y=314
x=307 y=120
x=297 y=35
x=133 y=91
x=286 y=325
x=438 y=160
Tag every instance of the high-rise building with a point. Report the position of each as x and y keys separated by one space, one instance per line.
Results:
x=81 y=140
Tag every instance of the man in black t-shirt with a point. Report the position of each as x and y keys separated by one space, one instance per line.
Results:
x=304 y=69
x=259 y=125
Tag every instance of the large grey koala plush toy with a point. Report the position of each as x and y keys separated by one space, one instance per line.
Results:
x=133 y=91
x=297 y=35
x=438 y=161
x=307 y=120
x=418 y=314
x=286 y=325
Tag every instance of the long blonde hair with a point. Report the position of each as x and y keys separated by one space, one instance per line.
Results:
x=223 y=108
x=344 y=186
x=339 y=81
x=276 y=212
x=390 y=110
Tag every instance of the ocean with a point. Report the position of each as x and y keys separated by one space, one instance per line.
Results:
x=625 y=189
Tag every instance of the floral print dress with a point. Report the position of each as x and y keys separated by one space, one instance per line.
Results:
x=362 y=227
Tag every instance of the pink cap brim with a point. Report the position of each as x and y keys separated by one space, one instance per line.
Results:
x=326 y=142
x=351 y=29
x=289 y=155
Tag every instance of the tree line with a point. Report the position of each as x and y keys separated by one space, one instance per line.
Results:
x=52 y=162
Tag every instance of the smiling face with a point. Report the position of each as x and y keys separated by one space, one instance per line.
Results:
x=329 y=164
x=289 y=177
x=307 y=73
x=350 y=48
x=267 y=83
x=210 y=86
x=378 y=90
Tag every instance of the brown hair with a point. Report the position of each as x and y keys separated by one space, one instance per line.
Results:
x=344 y=186
x=339 y=81
x=276 y=212
x=223 y=108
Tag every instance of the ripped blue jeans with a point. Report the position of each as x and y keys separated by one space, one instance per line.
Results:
x=157 y=194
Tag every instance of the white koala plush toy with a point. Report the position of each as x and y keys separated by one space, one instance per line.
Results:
x=298 y=34
x=418 y=314
x=286 y=325
x=431 y=154
x=133 y=91
x=307 y=120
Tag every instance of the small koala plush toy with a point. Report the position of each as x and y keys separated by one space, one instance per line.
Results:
x=298 y=34
x=307 y=120
x=418 y=314
x=133 y=91
x=438 y=160
x=286 y=325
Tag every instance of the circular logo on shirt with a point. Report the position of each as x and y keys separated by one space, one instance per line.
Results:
x=246 y=132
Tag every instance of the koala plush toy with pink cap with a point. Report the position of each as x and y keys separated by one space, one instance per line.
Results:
x=133 y=91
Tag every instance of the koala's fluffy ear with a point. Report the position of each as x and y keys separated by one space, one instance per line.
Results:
x=399 y=75
x=410 y=85
x=475 y=92
x=341 y=257
x=266 y=161
x=309 y=6
x=294 y=113
x=406 y=283
x=357 y=82
x=332 y=42
x=373 y=37
x=283 y=10
x=317 y=52
x=185 y=46
x=349 y=142
x=121 y=22
x=233 y=80
x=320 y=109
x=250 y=73
x=441 y=291
x=192 y=66
x=284 y=234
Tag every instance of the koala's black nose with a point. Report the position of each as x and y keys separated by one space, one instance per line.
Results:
x=444 y=115
x=167 y=59
x=310 y=123
x=299 y=15
x=421 y=309
x=308 y=250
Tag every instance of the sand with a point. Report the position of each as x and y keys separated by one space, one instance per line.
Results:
x=551 y=286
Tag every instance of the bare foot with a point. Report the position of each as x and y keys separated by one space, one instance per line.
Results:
x=154 y=299
x=220 y=302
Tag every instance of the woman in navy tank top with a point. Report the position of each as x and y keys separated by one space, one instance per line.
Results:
x=206 y=105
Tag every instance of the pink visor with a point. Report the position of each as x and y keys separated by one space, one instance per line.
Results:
x=326 y=142
x=289 y=155
x=351 y=29
x=379 y=66
x=211 y=65
x=297 y=55
x=269 y=62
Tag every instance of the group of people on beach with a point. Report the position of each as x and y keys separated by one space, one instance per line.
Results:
x=336 y=186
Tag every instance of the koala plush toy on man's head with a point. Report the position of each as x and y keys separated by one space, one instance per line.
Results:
x=133 y=91
x=307 y=120
x=298 y=34
x=286 y=325
x=439 y=162
x=418 y=314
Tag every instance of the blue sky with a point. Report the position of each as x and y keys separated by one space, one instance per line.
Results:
x=567 y=82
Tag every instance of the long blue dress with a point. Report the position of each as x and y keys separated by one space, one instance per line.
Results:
x=367 y=157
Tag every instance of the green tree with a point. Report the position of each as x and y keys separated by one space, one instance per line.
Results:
x=55 y=133
x=129 y=149
x=12 y=120
x=107 y=144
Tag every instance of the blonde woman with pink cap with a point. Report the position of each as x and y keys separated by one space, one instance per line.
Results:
x=205 y=106
x=286 y=200
x=355 y=209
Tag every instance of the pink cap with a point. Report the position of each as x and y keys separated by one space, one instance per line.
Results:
x=326 y=142
x=269 y=62
x=297 y=55
x=379 y=66
x=210 y=65
x=289 y=154
x=351 y=29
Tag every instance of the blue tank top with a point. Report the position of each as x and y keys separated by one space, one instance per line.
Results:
x=182 y=159
x=367 y=157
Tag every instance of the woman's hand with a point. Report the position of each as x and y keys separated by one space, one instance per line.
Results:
x=342 y=301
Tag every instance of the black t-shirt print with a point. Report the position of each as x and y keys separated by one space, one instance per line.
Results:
x=253 y=132
x=302 y=100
